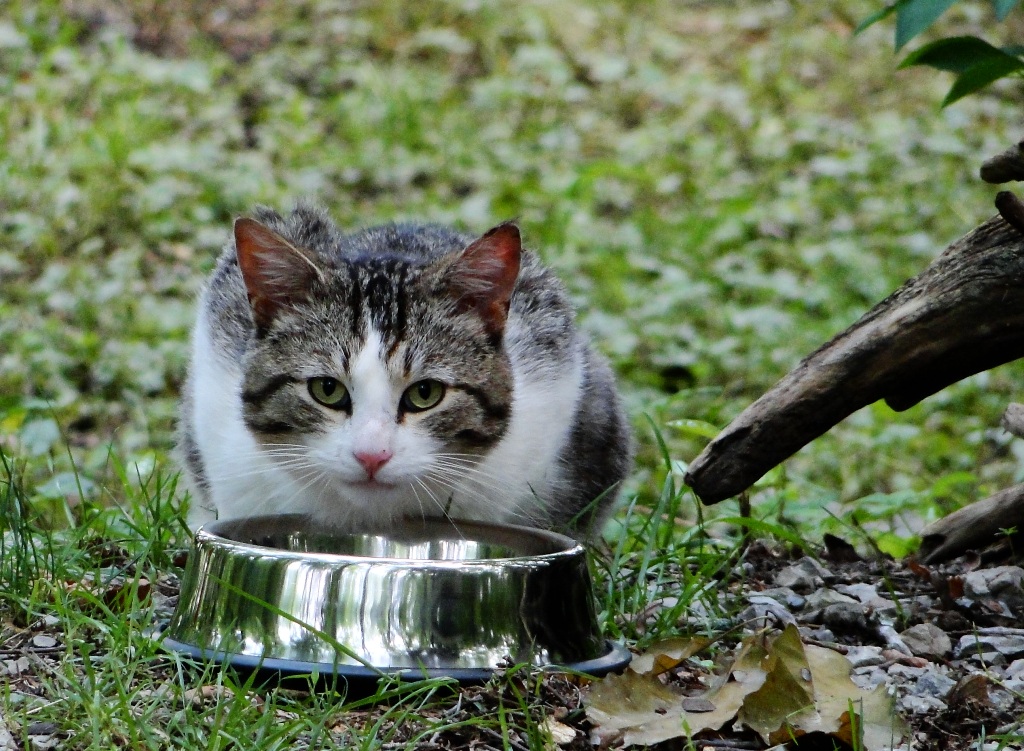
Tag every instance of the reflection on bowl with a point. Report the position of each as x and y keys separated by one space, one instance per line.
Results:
x=429 y=594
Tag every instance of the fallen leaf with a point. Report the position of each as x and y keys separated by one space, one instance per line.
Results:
x=786 y=693
x=774 y=685
x=665 y=655
x=561 y=734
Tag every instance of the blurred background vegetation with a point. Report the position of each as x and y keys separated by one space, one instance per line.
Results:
x=723 y=185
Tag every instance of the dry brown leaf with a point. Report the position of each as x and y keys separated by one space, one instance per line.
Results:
x=776 y=686
x=787 y=691
x=668 y=654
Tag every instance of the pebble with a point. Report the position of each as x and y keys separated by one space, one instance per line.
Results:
x=927 y=639
x=786 y=596
x=1010 y=647
x=869 y=677
x=934 y=683
x=862 y=656
x=845 y=618
x=819 y=598
x=16 y=667
x=862 y=591
x=818 y=633
x=767 y=608
x=892 y=639
x=43 y=641
x=921 y=704
x=907 y=671
x=805 y=575
x=988 y=660
x=7 y=742
x=1003 y=583
x=1015 y=669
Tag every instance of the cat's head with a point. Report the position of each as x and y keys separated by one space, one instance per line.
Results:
x=376 y=373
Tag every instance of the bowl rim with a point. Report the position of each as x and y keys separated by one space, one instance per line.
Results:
x=210 y=534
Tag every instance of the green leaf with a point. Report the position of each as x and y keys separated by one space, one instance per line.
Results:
x=914 y=16
x=955 y=54
x=1003 y=7
x=876 y=17
x=981 y=75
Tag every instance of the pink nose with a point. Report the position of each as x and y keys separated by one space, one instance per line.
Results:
x=372 y=460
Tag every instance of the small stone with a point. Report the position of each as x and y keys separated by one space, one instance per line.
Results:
x=43 y=641
x=1001 y=698
x=863 y=656
x=42 y=728
x=17 y=667
x=1016 y=685
x=988 y=659
x=51 y=621
x=935 y=684
x=805 y=575
x=907 y=671
x=1015 y=669
x=927 y=640
x=7 y=742
x=1010 y=646
x=869 y=676
x=767 y=608
x=845 y=618
x=862 y=592
x=819 y=598
x=786 y=596
x=921 y=704
x=1002 y=583
x=819 y=634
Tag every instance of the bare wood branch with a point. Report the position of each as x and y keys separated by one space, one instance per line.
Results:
x=960 y=316
x=1005 y=167
x=1011 y=209
x=973 y=527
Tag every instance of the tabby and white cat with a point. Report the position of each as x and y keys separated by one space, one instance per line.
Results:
x=400 y=370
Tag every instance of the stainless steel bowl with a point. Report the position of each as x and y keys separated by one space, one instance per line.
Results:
x=431 y=597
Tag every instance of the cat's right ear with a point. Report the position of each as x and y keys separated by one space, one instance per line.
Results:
x=276 y=273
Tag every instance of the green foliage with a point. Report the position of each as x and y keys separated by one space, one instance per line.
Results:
x=723 y=186
x=975 y=62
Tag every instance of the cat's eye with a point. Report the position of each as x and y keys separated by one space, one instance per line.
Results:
x=422 y=395
x=330 y=392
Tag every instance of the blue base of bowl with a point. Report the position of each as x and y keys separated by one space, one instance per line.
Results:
x=357 y=680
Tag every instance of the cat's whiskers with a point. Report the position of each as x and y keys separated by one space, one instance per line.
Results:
x=256 y=469
x=443 y=507
x=488 y=496
x=454 y=473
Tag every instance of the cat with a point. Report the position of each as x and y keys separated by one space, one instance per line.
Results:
x=400 y=370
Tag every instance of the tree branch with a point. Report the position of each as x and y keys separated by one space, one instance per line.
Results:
x=960 y=316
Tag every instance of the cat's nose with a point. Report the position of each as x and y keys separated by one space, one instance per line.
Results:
x=372 y=460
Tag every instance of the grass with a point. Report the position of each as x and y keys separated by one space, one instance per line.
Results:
x=723 y=186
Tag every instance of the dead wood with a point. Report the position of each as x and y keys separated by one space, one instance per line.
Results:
x=960 y=316
x=1004 y=167
x=1011 y=209
x=973 y=527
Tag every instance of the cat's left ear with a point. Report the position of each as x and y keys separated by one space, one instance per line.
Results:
x=276 y=273
x=485 y=273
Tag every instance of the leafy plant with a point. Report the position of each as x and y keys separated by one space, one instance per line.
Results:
x=973 y=61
